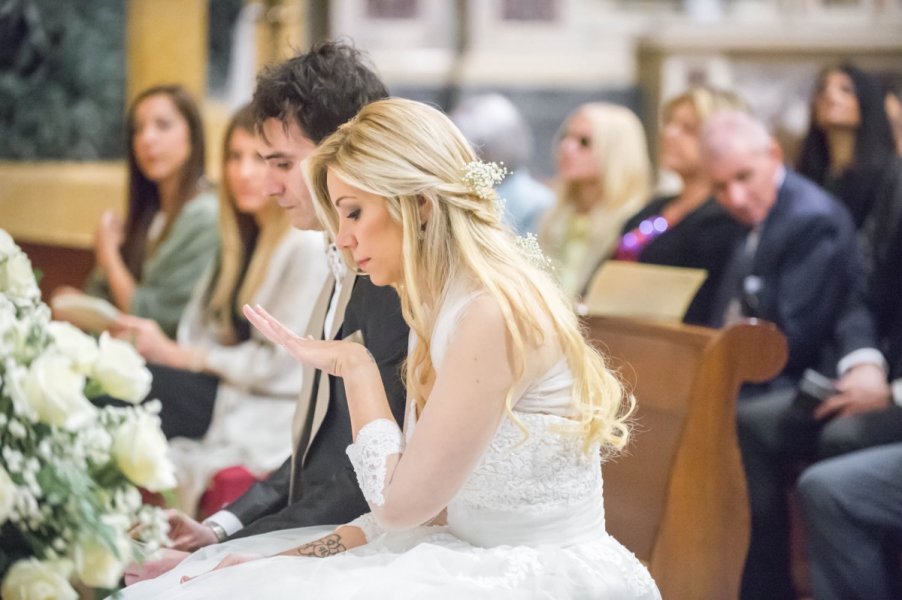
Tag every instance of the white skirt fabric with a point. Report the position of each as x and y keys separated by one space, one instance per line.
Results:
x=426 y=562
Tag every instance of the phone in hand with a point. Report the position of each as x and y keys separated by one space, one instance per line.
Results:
x=814 y=388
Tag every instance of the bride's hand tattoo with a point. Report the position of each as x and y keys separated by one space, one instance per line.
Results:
x=327 y=546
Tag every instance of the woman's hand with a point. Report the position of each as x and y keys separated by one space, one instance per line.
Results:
x=148 y=339
x=338 y=358
x=109 y=237
x=229 y=561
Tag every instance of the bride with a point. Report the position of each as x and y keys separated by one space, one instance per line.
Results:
x=494 y=487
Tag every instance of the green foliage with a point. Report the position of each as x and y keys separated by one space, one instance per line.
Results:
x=62 y=79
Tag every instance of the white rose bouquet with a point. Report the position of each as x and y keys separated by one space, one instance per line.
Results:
x=70 y=509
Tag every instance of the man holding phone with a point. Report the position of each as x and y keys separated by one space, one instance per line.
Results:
x=865 y=410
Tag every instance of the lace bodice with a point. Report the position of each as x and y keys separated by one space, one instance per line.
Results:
x=535 y=484
x=545 y=471
x=541 y=490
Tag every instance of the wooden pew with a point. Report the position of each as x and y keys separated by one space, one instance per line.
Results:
x=678 y=497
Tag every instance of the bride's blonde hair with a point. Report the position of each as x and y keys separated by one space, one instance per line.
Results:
x=410 y=154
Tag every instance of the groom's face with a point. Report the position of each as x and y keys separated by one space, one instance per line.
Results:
x=284 y=149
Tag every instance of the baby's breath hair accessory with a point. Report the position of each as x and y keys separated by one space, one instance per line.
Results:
x=529 y=247
x=482 y=177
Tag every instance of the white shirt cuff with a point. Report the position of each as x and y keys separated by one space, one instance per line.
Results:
x=227 y=521
x=860 y=357
x=896 y=386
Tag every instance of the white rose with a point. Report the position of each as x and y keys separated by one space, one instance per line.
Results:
x=17 y=278
x=96 y=565
x=141 y=451
x=32 y=579
x=14 y=385
x=77 y=345
x=7 y=326
x=7 y=495
x=27 y=338
x=56 y=392
x=120 y=370
x=7 y=245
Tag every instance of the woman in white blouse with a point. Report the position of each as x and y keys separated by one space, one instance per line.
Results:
x=227 y=393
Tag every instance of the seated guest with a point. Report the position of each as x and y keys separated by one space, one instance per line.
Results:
x=851 y=136
x=852 y=507
x=865 y=352
x=795 y=263
x=849 y=148
x=500 y=134
x=604 y=174
x=690 y=229
x=220 y=379
x=148 y=265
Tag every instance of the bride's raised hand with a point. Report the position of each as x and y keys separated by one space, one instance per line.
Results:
x=336 y=358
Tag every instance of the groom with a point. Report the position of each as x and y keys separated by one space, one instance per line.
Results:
x=297 y=104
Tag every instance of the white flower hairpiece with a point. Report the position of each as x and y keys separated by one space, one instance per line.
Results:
x=482 y=177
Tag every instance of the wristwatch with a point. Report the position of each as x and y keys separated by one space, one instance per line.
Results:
x=217 y=530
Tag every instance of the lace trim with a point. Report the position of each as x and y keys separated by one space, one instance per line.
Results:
x=376 y=441
x=368 y=525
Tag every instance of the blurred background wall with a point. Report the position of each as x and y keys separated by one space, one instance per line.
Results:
x=69 y=67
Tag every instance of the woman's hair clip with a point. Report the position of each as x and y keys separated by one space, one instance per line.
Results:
x=482 y=177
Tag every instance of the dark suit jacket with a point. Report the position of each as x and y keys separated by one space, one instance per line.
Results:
x=872 y=317
x=703 y=239
x=803 y=269
x=325 y=488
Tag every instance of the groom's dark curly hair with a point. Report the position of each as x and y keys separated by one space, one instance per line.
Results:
x=318 y=90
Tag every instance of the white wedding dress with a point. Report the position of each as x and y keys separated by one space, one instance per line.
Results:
x=527 y=523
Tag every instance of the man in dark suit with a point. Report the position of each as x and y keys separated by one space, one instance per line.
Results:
x=793 y=268
x=864 y=411
x=297 y=104
x=795 y=263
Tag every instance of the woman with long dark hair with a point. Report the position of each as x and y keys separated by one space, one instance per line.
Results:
x=849 y=148
x=148 y=264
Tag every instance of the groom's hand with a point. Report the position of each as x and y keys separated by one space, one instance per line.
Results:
x=188 y=534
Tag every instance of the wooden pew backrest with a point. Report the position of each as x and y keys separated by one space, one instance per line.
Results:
x=677 y=498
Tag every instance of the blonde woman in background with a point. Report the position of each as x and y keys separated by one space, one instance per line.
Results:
x=604 y=177
x=689 y=229
x=494 y=487
x=220 y=380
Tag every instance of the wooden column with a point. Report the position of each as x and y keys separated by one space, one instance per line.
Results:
x=167 y=43
x=282 y=31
